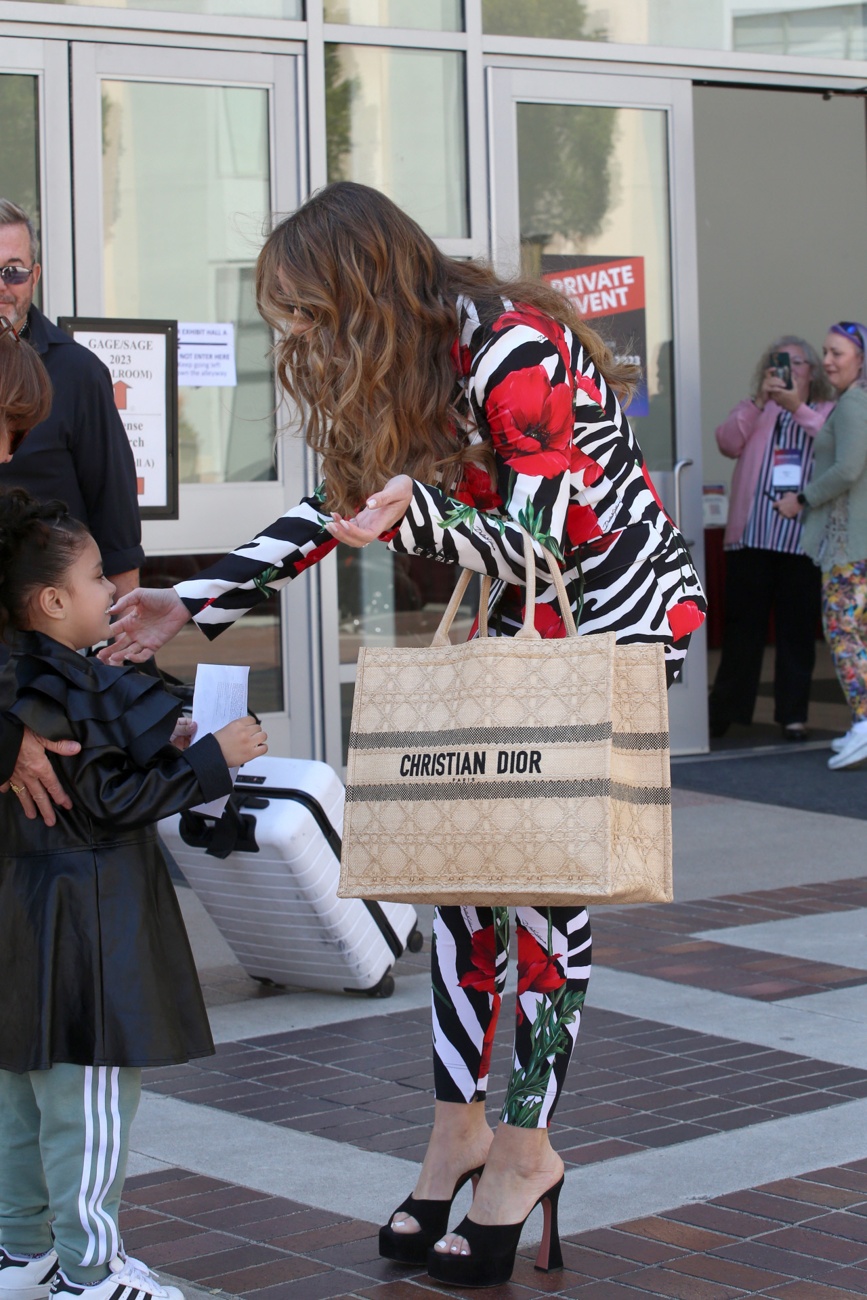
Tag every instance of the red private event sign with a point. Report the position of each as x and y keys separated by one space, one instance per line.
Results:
x=603 y=289
x=609 y=292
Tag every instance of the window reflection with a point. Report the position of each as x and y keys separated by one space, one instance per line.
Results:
x=435 y=15
x=242 y=8
x=378 y=136
x=19 y=148
x=838 y=32
x=593 y=195
x=182 y=226
x=807 y=29
x=388 y=599
x=253 y=640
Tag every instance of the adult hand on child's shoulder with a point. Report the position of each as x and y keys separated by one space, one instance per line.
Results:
x=34 y=781
x=149 y=617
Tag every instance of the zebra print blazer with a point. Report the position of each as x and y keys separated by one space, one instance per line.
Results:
x=569 y=471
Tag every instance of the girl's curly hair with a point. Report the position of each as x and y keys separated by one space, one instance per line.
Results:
x=39 y=542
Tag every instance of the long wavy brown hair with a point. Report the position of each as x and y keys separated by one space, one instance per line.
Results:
x=372 y=371
x=25 y=389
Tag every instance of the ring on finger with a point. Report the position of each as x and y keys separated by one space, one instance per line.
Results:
x=19 y=789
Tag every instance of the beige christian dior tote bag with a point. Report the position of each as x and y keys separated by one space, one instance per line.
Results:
x=509 y=770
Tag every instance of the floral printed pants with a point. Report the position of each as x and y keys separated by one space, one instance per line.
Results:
x=844 y=617
x=468 y=962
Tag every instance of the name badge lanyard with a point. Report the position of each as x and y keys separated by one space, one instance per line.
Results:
x=787 y=471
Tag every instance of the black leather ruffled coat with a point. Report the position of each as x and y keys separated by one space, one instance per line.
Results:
x=95 y=964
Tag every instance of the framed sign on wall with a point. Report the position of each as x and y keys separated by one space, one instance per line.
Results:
x=142 y=357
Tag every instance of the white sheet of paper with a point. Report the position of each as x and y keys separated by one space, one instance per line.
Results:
x=220 y=696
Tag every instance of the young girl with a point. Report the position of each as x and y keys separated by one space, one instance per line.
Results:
x=97 y=975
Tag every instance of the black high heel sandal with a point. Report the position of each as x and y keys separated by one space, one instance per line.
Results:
x=432 y=1218
x=493 y=1248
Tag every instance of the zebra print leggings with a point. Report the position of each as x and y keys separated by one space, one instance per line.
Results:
x=468 y=966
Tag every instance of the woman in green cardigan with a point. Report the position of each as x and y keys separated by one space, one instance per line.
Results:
x=835 y=528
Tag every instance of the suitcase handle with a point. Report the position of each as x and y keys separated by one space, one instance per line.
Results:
x=220 y=836
x=256 y=795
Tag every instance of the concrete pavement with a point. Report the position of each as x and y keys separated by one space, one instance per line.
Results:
x=796 y=1103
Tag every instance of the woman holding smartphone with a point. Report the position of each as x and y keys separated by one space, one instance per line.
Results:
x=835 y=528
x=771 y=436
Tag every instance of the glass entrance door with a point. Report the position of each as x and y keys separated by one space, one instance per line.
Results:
x=177 y=171
x=593 y=190
x=34 y=144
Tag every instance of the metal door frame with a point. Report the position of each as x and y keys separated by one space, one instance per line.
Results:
x=206 y=507
x=507 y=87
x=47 y=61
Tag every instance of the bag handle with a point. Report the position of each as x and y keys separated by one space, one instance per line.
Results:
x=528 y=630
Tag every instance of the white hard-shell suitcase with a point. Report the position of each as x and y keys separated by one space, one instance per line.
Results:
x=272 y=889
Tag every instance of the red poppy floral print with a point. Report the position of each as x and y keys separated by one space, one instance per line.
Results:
x=531 y=423
x=482 y=976
x=483 y=956
x=547 y=1018
x=475 y=489
x=538 y=971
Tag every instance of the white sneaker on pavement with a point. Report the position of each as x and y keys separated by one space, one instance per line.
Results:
x=26 y=1277
x=840 y=742
x=852 y=753
x=132 y=1274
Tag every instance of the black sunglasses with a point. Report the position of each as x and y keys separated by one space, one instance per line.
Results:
x=15 y=274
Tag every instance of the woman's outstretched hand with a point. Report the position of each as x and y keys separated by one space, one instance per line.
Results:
x=149 y=618
x=382 y=511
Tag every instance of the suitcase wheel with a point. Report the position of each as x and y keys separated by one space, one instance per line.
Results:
x=269 y=984
x=415 y=942
x=384 y=988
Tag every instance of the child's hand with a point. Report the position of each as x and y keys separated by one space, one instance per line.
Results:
x=182 y=736
x=242 y=740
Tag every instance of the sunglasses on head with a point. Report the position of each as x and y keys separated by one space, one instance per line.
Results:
x=15 y=274
x=852 y=330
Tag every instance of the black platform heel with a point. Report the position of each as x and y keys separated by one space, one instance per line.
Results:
x=493 y=1248
x=432 y=1218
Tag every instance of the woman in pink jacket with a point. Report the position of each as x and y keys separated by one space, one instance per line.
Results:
x=771 y=437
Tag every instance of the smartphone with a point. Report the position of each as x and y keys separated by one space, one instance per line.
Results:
x=781 y=365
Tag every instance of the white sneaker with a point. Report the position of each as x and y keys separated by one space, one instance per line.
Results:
x=125 y=1272
x=26 y=1277
x=852 y=753
x=840 y=742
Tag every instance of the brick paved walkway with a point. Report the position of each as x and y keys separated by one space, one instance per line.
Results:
x=658 y=941
x=637 y=1086
x=634 y=1084
x=802 y=1239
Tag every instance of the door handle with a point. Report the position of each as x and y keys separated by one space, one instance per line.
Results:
x=679 y=467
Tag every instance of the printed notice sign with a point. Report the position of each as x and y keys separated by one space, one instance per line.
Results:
x=141 y=356
x=206 y=355
x=609 y=291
